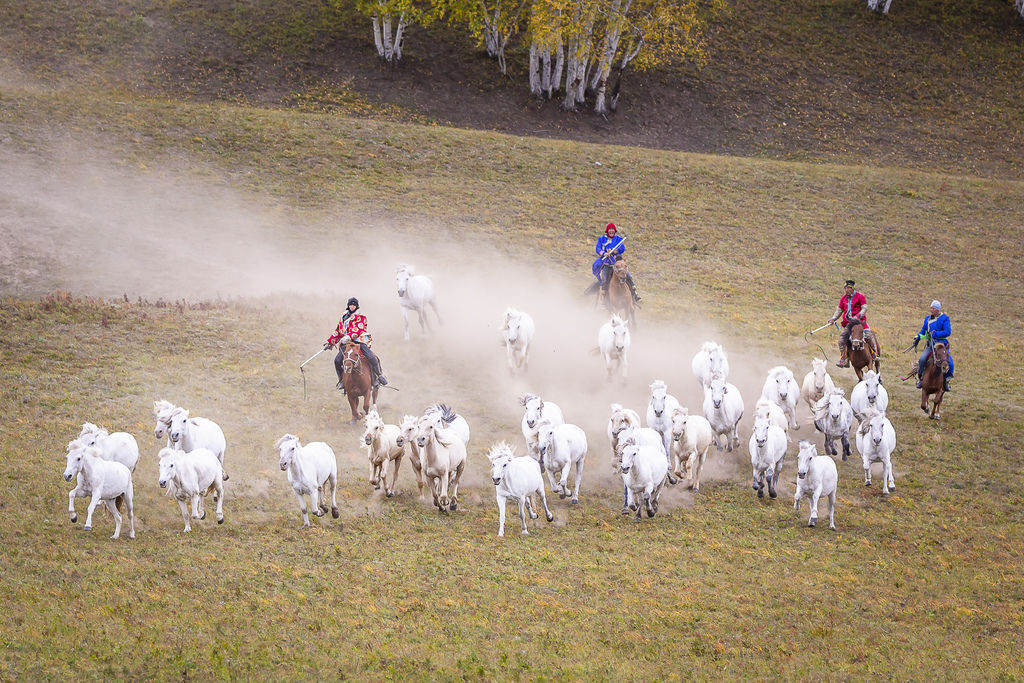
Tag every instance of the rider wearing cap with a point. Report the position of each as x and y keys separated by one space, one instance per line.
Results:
x=610 y=248
x=352 y=327
x=852 y=308
x=935 y=330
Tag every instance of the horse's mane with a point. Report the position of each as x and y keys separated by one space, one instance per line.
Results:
x=447 y=414
x=779 y=370
x=526 y=398
x=658 y=384
x=500 y=449
x=821 y=407
x=286 y=437
x=161 y=406
x=407 y=268
x=865 y=424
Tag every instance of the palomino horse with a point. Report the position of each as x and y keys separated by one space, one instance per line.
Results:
x=931 y=381
x=356 y=379
x=861 y=354
x=619 y=298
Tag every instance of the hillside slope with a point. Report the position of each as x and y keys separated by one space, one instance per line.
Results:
x=932 y=86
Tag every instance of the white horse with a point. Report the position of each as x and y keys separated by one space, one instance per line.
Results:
x=383 y=451
x=691 y=438
x=189 y=433
x=613 y=342
x=518 y=332
x=561 y=447
x=767 y=453
x=659 y=411
x=106 y=481
x=535 y=410
x=780 y=388
x=191 y=475
x=833 y=417
x=407 y=436
x=415 y=292
x=816 y=475
x=518 y=478
x=443 y=458
x=772 y=411
x=119 y=447
x=723 y=409
x=869 y=394
x=644 y=471
x=876 y=440
x=816 y=383
x=710 y=361
x=311 y=469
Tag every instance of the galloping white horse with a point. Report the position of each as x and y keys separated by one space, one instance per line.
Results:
x=518 y=332
x=708 y=362
x=415 y=292
x=613 y=343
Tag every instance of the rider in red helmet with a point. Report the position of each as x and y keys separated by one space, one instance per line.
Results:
x=610 y=248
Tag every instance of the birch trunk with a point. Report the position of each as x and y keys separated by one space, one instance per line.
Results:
x=545 y=74
x=377 y=40
x=613 y=33
x=559 y=65
x=535 y=70
x=396 y=52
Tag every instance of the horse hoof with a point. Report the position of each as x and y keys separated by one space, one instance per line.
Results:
x=760 y=493
x=220 y=520
x=224 y=475
x=453 y=506
x=390 y=494
x=625 y=510
x=88 y=528
x=74 y=518
x=773 y=495
x=318 y=513
x=335 y=513
x=203 y=516
x=561 y=495
x=575 y=501
x=813 y=521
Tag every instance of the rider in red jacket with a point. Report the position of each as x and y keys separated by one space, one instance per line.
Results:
x=853 y=305
x=352 y=326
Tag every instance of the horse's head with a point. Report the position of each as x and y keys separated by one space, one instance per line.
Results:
x=545 y=435
x=807 y=451
x=620 y=333
x=629 y=457
x=90 y=434
x=871 y=385
x=287 y=445
x=856 y=328
x=873 y=426
x=835 y=405
x=402 y=279
x=407 y=430
x=680 y=417
x=374 y=425
x=351 y=360
x=168 y=466
x=500 y=456
x=619 y=271
x=513 y=319
x=718 y=390
x=424 y=431
x=534 y=409
x=941 y=353
x=761 y=424
x=176 y=426
x=716 y=358
x=659 y=392
x=819 y=368
x=76 y=456
x=783 y=377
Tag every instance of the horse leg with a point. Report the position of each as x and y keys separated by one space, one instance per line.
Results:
x=846 y=445
x=424 y=323
x=112 y=506
x=129 y=506
x=501 y=512
x=434 y=306
x=333 y=480
x=93 y=502
x=522 y=515
x=548 y=515
x=937 y=401
x=394 y=477
x=405 y=321
x=185 y=515
x=579 y=478
x=563 y=480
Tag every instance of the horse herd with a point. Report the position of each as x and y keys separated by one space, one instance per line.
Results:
x=671 y=445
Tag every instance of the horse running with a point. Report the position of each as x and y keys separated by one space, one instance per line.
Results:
x=861 y=354
x=931 y=381
x=619 y=300
x=357 y=381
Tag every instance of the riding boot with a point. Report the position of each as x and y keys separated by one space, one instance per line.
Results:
x=945 y=385
x=341 y=386
x=632 y=289
x=843 y=361
x=918 y=380
x=378 y=374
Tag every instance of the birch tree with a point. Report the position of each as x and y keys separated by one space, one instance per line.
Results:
x=389 y=18
x=883 y=5
x=1019 y=6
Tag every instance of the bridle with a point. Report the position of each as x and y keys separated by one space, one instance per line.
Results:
x=350 y=363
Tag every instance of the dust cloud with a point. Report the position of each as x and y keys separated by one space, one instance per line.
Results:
x=77 y=222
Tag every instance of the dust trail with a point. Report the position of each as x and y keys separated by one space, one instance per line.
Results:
x=99 y=229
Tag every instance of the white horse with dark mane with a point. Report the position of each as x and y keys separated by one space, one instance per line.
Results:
x=518 y=333
x=415 y=292
x=710 y=361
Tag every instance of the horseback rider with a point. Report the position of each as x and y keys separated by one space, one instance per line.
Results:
x=352 y=327
x=852 y=308
x=610 y=248
x=935 y=330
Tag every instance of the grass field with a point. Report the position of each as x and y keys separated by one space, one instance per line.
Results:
x=926 y=584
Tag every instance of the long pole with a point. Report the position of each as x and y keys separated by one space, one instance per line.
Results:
x=302 y=369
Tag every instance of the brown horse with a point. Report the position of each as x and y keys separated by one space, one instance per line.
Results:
x=931 y=381
x=356 y=379
x=619 y=298
x=860 y=353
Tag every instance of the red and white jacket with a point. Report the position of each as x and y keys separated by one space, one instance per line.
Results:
x=354 y=327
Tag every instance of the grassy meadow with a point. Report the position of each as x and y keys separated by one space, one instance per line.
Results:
x=928 y=583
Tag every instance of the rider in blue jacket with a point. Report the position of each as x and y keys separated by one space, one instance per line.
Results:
x=936 y=330
x=610 y=247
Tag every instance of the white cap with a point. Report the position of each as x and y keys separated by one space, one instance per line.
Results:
x=937 y=305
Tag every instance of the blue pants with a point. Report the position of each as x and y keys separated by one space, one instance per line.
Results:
x=924 y=359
